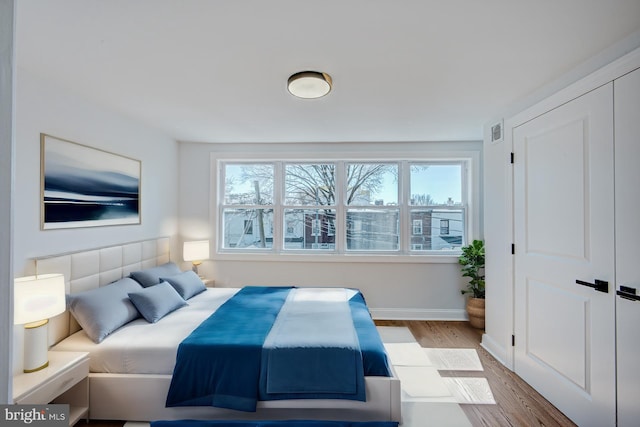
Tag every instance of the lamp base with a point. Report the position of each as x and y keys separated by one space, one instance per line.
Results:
x=194 y=267
x=36 y=346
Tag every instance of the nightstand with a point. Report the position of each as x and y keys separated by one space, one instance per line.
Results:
x=64 y=381
x=209 y=283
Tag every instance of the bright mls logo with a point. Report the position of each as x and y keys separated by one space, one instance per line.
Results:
x=34 y=415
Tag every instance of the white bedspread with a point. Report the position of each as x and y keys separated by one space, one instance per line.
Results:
x=140 y=347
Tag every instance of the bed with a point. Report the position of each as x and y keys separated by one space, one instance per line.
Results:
x=131 y=370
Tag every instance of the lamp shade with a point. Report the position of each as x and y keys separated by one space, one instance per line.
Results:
x=38 y=298
x=196 y=251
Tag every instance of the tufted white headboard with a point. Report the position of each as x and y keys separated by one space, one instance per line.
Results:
x=92 y=268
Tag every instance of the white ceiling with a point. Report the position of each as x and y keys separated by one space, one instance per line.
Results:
x=403 y=70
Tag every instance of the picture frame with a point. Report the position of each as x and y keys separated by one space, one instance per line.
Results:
x=82 y=186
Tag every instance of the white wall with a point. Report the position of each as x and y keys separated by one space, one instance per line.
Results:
x=498 y=266
x=414 y=288
x=7 y=89
x=43 y=108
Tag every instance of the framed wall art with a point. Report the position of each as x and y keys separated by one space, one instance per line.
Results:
x=83 y=186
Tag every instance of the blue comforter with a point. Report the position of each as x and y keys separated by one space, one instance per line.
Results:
x=312 y=350
x=221 y=363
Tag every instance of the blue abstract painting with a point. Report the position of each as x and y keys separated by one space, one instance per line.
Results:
x=86 y=187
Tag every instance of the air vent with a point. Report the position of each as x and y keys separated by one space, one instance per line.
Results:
x=496 y=132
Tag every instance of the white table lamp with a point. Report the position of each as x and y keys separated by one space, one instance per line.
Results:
x=36 y=299
x=196 y=252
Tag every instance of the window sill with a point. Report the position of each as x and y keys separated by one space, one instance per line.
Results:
x=450 y=258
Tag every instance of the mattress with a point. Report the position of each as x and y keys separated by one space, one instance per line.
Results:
x=140 y=347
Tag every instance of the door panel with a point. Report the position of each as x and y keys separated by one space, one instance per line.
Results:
x=563 y=232
x=550 y=214
x=558 y=347
x=627 y=157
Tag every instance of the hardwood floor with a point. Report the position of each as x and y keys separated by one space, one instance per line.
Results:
x=517 y=404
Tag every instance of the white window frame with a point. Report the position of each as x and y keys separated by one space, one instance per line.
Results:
x=417 y=228
x=469 y=157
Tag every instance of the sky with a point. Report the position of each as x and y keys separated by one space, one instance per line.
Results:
x=440 y=181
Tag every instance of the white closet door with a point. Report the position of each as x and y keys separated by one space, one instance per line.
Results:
x=563 y=232
x=627 y=158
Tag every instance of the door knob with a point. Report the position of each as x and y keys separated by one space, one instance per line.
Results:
x=629 y=293
x=599 y=285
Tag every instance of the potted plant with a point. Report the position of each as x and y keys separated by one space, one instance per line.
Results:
x=472 y=261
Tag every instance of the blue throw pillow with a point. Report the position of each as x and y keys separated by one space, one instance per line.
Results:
x=188 y=284
x=151 y=276
x=157 y=301
x=103 y=310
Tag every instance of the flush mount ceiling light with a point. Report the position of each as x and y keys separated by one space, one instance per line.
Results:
x=309 y=84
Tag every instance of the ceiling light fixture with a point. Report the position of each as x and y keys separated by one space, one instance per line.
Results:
x=309 y=84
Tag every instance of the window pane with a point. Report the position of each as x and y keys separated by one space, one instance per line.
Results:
x=373 y=230
x=417 y=227
x=440 y=229
x=309 y=229
x=310 y=185
x=372 y=184
x=248 y=228
x=248 y=184
x=433 y=185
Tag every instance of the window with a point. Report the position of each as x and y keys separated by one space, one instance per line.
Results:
x=331 y=228
x=339 y=207
x=444 y=226
x=309 y=200
x=315 y=228
x=248 y=198
x=436 y=196
x=371 y=199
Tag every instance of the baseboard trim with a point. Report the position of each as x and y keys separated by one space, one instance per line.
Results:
x=494 y=349
x=417 y=314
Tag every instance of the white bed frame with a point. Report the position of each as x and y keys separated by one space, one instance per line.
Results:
x=137 y=397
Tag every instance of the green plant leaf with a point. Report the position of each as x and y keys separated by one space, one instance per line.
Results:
x=472 y=261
